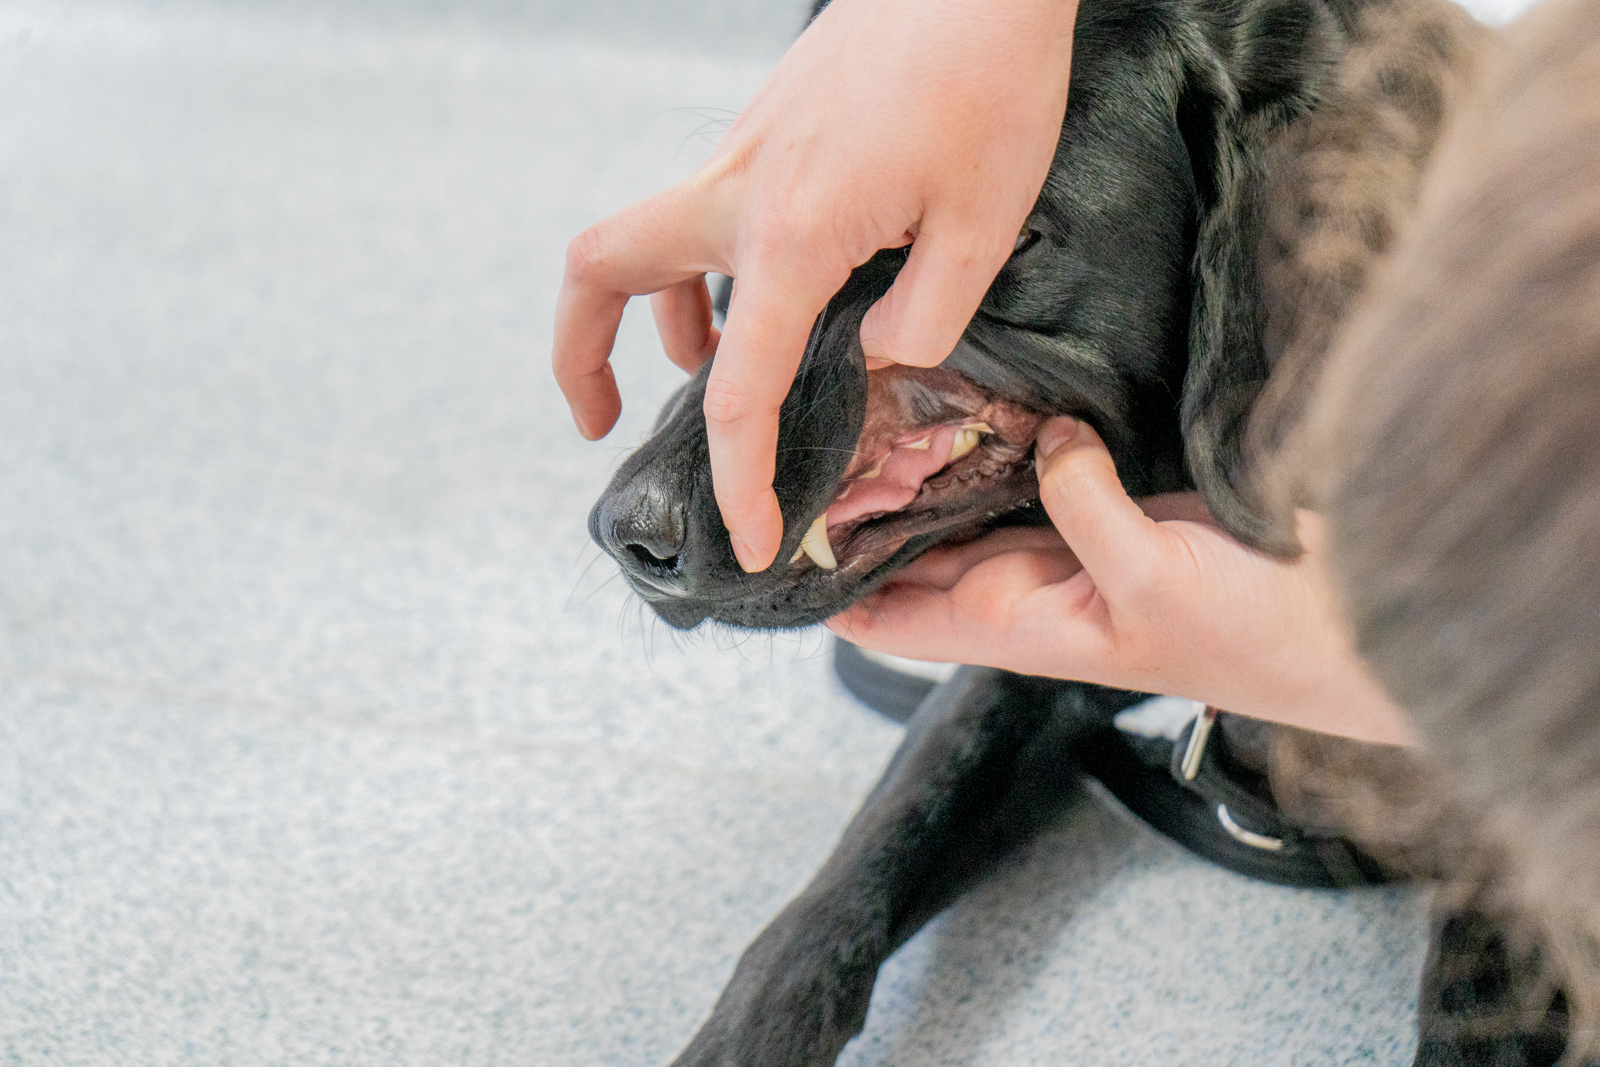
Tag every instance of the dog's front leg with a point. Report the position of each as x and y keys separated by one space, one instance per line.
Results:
x=950 y=802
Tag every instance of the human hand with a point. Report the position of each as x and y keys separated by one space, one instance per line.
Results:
x=888 y=122
x=1151 y=596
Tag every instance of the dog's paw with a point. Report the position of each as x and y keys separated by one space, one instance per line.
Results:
x=800 y=992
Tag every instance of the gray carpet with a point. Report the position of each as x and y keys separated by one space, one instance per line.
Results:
x=325 y=737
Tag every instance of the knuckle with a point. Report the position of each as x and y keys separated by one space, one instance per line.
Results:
x=774 y=238
x=796 y=244
x=728 y=404
x=587 y=255
x=1065 y=481
x=734 y=499
x=725 y=403
x=903 y=333
x=885 y=336
x=779 y=235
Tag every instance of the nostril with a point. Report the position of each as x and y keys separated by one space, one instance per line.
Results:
x=643 y=526
x=648 y=559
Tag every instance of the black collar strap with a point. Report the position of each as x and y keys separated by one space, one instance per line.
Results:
x=1195 y=792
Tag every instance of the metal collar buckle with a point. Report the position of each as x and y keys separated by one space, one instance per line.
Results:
x=1193 y=754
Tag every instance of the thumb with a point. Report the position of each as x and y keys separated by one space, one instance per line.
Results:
x=1078 y=484
x=920 y=319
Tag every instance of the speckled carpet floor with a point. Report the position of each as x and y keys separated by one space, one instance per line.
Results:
x=325 y=737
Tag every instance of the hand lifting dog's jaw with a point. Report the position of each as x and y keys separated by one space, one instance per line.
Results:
x=874 y=468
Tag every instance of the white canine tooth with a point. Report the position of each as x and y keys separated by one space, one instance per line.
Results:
x=965 y=441
x=981 y=427
x=815 y=544
x=920 y=445
x=797 y=554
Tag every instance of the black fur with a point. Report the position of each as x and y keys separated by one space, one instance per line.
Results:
x=984 y=766
x=1135 y=303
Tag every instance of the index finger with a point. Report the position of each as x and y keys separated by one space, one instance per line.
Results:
x=977 y=620
x=943 y=567
x=760 y=351
x=643 y=248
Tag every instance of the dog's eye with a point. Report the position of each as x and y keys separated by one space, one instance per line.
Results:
x=1025 y=240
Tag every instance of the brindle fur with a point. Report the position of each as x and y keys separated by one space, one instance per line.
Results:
x=1452 y=446
x=1343 y=180
x=1228 y=172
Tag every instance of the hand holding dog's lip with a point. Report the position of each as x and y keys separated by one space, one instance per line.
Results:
x=797 y=195
x=1150 y=595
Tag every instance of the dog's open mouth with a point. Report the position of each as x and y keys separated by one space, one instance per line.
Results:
x=937 y=454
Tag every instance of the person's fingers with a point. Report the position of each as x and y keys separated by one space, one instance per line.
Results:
x=1113 y=538
x=649 y=246
x=920 y=319
x=586 y=329
x=942 y=568
x=683 y=319
x=1001 y=590
x=975 y=621
x=757 y=356
x=911 y=621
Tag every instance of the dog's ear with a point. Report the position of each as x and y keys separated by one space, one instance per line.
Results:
x=1250 y=69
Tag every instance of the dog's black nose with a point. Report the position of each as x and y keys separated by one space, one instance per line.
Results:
x=643 y=528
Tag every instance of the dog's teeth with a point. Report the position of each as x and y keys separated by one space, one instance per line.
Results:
x=981 y=427
x=920 y=445
x=815 y=544
x=965 y=441
x=797 y=554
x=876 y=470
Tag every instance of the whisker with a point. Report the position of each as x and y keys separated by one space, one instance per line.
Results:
x=583 y=576
x=597 y=590
x=698 y=109
x=815 y=448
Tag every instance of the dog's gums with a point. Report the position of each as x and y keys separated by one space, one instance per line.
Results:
x=936 y=452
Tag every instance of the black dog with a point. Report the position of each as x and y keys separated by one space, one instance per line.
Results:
x=1226 y=171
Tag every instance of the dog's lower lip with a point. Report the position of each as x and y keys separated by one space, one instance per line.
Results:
x=660 y=590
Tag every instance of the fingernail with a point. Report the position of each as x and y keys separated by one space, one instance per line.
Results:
x=741 y=552
x=1056 y=433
